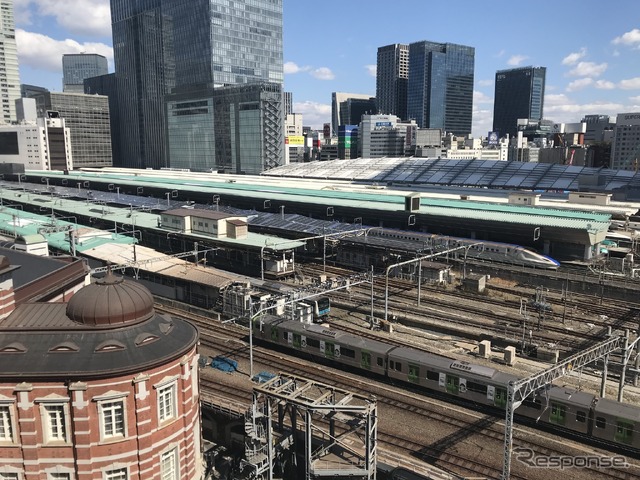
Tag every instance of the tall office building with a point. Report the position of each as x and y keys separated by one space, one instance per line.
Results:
x=625 y=149
x=440 y=86
x=78 y=66
x=519 y=93
x=392 y=75
x=347 y=108
x=226 y=43
x=87 y=117
x=249 y=127
x=162 y=44
x=9 y=73
x=145 y=73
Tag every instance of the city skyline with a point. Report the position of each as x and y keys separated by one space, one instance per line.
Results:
x=590 y=57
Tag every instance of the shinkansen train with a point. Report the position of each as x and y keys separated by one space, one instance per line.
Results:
x=557 y=407
x=479 y=249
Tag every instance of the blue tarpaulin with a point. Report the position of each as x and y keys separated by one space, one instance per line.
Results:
x=225 y=364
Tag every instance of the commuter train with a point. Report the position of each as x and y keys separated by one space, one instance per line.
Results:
x=556 y=407
x=417 y=241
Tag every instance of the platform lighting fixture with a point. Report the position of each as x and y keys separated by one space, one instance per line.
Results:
x=536 y=234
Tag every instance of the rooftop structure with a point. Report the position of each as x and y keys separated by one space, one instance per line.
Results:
x=76 y=67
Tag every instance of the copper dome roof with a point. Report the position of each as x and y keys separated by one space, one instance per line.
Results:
x=111 y=301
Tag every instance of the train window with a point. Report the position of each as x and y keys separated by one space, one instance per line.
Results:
x=476 y=387
x=397 y=366
x=581 y=416
x=434 y=376
x=380 y=362
x=312 y=342
x=347 y=352
x=535 y=404
x=601 y=422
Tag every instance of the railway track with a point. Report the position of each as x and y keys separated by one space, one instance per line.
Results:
x=501 y=317
x=451 y=455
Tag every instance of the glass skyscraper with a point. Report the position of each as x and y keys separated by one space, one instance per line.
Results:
x=440 y=86
x=160 y=45
x=145 y=73
x=519 y=93
x=227 y=43
x=78 y=66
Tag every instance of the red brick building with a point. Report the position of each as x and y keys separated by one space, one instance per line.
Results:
x=100 y=388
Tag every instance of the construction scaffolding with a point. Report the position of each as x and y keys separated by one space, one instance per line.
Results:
x=333 y=430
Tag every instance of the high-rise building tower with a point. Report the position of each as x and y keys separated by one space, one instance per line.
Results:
x=9 y=74
x=145 y=73
x=347 y=108
x=191 y=44
x=392 y=75
x=440 y=86
x=226 y=43
x=519 y=93
x=78 y=66
x=87 y=117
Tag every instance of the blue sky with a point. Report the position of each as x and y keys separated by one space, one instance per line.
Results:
x=591 y=49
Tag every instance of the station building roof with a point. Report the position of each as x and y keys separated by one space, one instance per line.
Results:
x=472 y=172
x=377 y=200
x=124 y=218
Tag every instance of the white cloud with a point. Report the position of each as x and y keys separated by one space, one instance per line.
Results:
x=291 y=68
x=561 y=108
x=500 y=53
x=323 y=73
x=482 y=122
x=573 y=58
x=588 y=69
x=45 y=53
x=630 y=84
x=605 y=85
x=371 y=70
x=479 y=97
x=516 y=60
x=579 y=84
x=556 y=99
x=631 y=38
x=80 y=17
x=635 y=99
x=314 y=114
x=485 y=83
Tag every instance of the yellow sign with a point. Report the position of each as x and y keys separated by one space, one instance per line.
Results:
x=294 y=140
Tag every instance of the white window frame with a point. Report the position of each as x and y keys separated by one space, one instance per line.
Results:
x=117 y=474
x=7 y=416
x=107 y=408
x=59 y=476
x=46 y=409
x=169 y=465
x=10 y=476
x=167 y=393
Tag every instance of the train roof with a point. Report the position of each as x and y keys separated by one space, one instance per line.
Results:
x=606 y=406
x=454 y=366
x=322 y=332
x=575 y=398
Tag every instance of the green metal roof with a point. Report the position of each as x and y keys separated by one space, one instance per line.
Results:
x=463 y=209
